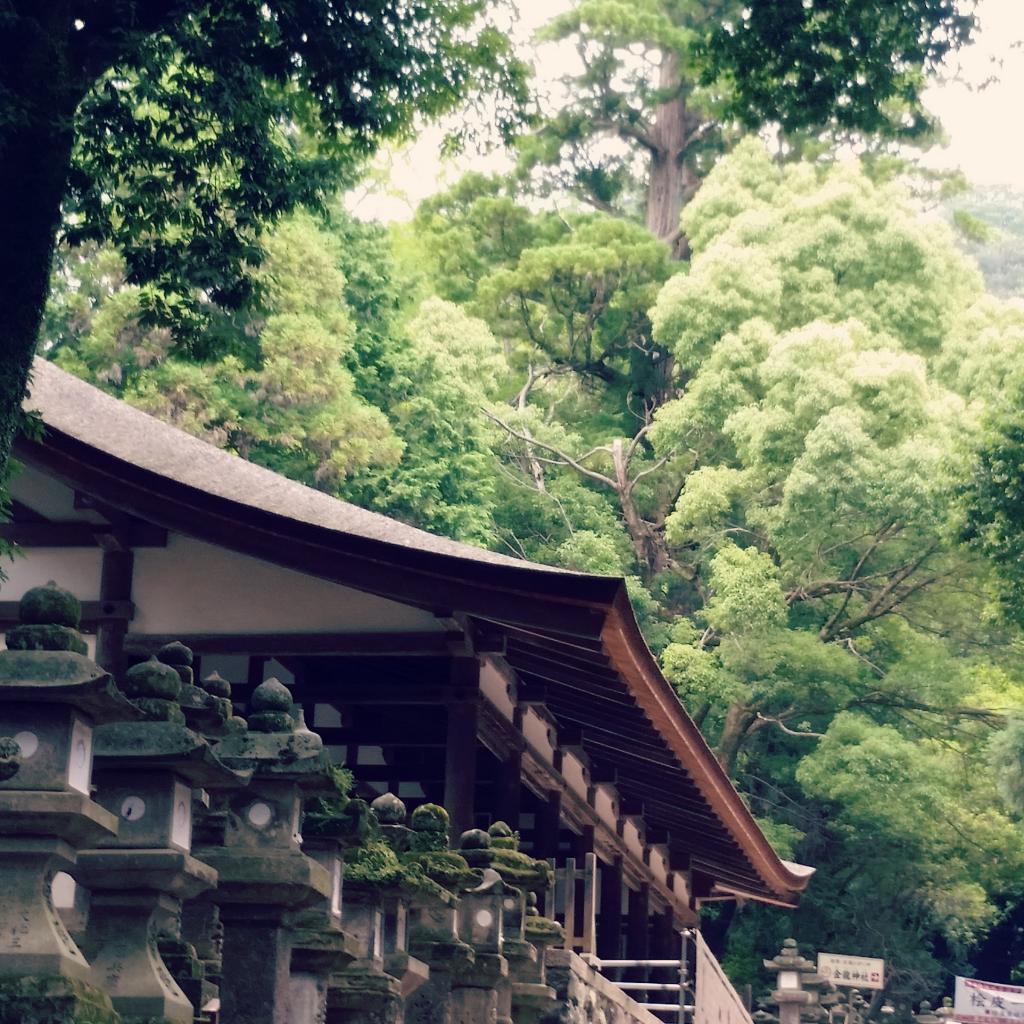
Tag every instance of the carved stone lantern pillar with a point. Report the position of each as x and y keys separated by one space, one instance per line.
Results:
x=252 y=838
x=147 y=773
x=376 y=910
x=483 y=993
x=434 y=916
x=526 y=933
x=52 y=698
x=791 y=970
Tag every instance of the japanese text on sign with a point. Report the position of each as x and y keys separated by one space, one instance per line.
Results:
x=985 y=1002
x=852 y=971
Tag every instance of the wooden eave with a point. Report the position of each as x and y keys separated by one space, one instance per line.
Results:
x=573 y=635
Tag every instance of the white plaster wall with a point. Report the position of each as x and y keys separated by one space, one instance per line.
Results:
x=604 y=804
x=535 y=729
x=75 y=569
x=495 y=686
x=631 y=837
x=194 y=587
x=572 y=772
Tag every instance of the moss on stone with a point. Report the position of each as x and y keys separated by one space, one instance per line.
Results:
x=502 y=836
x=45 y=638
x=515 y=868
x=430 y=818
x=153 y=679
x=50 y=605
x=543 y=931
x=53 y=1000
x=377 y=865
x=158 y=710
x=445 y=867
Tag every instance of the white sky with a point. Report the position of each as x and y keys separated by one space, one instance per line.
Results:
x=984 y=123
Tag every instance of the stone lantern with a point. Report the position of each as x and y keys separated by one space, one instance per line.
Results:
x=378 y=892
x=526 y=934
x=147 y=774
x=484 y=990
x=52 y=698
x=926 y=1015
x=253 y=839
x=791 y=971
x=434 y=915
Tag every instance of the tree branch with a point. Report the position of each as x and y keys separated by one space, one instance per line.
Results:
x=564 y=459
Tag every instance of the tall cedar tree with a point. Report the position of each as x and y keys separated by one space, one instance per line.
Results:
x=663 y=83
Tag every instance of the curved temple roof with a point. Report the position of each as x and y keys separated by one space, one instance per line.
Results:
x=572 y=637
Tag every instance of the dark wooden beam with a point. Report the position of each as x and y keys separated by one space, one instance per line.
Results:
x=510 y=788
x=549 y=818
x=609 y=922
x=93 y=613
x=679 y=860
x=80 y=534
x=638 y=930
x=292 y=644
x=631 y=807
x=481 y=636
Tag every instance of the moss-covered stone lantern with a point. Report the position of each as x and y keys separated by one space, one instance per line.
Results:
x=253 y=839
x=484 y=989
x=52 y=698
x=147 y=773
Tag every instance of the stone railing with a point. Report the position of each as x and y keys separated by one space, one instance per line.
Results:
x=584 y=996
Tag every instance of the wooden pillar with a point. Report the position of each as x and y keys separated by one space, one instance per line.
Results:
x=115 y=585
x=549 y=822
x=460 y=745
x=665 y=945
x=510 y=788
x=583 y=843
x=638 y=946
x=609 y=921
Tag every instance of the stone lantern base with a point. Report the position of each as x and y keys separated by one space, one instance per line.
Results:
x=55 y=998
x=364 y=997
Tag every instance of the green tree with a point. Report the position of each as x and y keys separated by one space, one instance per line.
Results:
x=663 y=85
x=282 y=395
x=322 y=375
x=178 y=128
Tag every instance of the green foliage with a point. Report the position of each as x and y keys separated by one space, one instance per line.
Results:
x=993 y=499
x=858 y=65
x=658 y=87
x=319 y=379
x=53 y=1000
x=208 y=126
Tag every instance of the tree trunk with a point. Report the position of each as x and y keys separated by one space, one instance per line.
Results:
x=40 y=93
x=648 y=541
x=738 y=720
x=671 y=181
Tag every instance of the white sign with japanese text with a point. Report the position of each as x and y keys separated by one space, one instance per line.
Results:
x=985 y=1002
x=852 y=971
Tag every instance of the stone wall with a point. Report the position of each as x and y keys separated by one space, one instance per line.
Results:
x=585 y=996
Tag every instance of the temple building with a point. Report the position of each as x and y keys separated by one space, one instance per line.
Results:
x=433 y=670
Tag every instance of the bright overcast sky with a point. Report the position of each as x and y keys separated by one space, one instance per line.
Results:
x=984 y=124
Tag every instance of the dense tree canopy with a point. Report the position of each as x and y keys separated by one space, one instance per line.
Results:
x=663 y=86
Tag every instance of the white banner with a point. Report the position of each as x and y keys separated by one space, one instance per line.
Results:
x=986 y=1002
x=852 y=971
